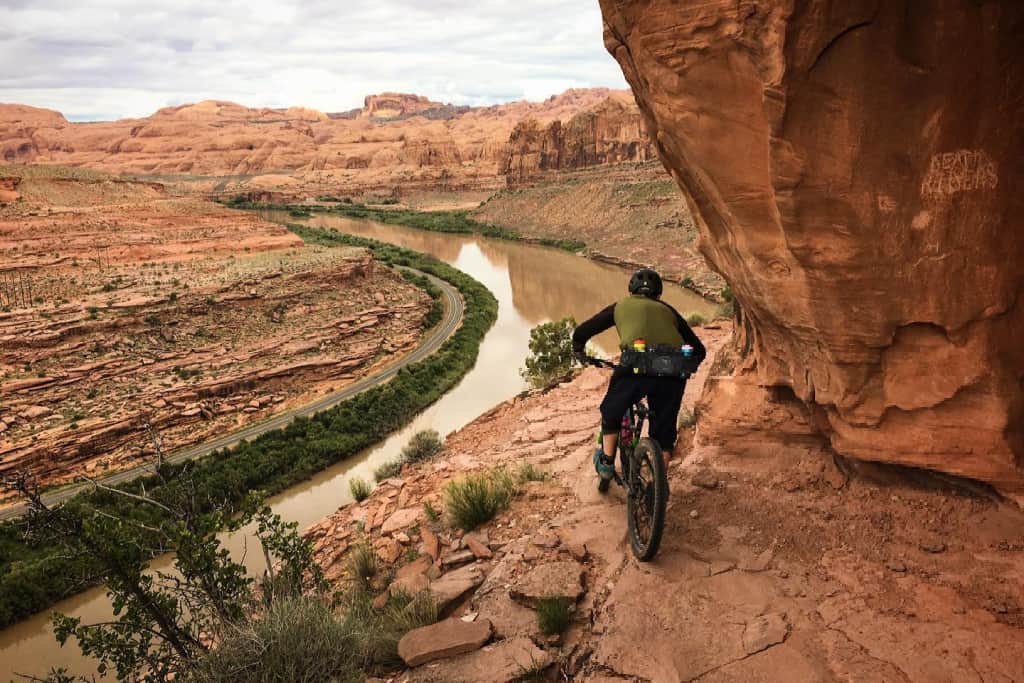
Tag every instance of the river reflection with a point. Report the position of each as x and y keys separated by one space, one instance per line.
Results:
x=532 y=284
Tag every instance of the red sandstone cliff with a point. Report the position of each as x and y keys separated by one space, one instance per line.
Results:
x=855 y=166
x=396 y=139
x=611 y=132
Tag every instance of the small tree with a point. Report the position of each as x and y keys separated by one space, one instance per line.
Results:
x=164 y=623
x=550 y=352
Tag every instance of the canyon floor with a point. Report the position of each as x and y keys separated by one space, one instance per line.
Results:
x=775 y=566
x=124 y=306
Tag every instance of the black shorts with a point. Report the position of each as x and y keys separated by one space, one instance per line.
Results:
x=664 y=397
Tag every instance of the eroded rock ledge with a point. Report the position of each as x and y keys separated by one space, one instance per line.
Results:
x=854 y=166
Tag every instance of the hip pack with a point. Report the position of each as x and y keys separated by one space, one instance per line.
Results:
x=663 y=361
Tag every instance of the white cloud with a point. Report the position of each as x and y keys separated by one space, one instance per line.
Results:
x=114 y=58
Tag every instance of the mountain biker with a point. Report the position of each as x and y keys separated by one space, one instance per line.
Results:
x=641 y=316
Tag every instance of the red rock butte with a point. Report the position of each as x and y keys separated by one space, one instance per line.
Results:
x=856 y=169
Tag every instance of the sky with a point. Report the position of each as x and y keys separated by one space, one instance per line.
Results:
x=108 y=59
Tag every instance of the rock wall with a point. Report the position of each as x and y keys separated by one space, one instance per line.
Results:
x=611 y=132
x=856 y=169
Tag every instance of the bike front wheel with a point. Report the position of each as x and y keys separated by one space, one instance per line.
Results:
x=647 y=496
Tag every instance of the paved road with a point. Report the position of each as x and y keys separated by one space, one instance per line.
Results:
x=454 y=309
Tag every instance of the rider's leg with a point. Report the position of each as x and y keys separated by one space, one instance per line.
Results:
x=620 y=395
x=609 y=441
x=666 y=398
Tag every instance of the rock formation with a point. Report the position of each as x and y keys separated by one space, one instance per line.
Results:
x=855 y=169
x=395 y=141
x=611 y=132
x=121 y=307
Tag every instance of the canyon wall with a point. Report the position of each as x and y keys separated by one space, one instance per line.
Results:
x=612 y=132
x=855 y=167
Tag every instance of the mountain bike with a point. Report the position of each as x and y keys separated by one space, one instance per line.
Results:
x=641 y=472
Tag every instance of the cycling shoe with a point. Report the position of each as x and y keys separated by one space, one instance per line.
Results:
x=604 y=465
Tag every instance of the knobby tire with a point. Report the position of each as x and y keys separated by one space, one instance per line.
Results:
x=647 y=465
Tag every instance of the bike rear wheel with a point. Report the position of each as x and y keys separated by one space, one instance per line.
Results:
x=646 y=498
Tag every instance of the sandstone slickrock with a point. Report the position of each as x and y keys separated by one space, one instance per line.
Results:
x=446 y=638
x=855 y=167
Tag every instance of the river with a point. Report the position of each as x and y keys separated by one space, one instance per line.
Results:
x=532 y=284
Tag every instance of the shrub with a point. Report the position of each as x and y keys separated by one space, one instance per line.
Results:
x=422 y=446
x=362 y=561
x=378 y=631
x=297 y=639
x=477 y=498
x=360 y=488
x=554 y=614
x=530 y=472
x=687 y=418
x=392 y=468
x=550 y=352
x=430 y=512
x=695 y=320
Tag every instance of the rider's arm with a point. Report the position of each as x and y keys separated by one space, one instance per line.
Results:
x=699 y=352
x=592 y=327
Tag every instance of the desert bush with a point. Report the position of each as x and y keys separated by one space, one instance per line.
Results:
x=392 y=468
x=478 y=497
x=554 y=614
x=360 y=488
x=695 y=320
x=362 y=561
x=432 y=514
x=377 y=632
x=529 y=472
x=687 y=418
x=550 y=352
x=298 y=639
x=422 y=446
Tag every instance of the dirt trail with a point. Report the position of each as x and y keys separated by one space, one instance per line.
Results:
x=775 y=568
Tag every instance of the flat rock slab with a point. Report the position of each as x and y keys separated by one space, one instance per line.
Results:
x=454 y=585
x=400 y=519
x=764 y=631
x=502 y=662
x=554 y=579
x=444 y=639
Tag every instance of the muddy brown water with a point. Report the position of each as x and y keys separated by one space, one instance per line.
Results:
x=532 y=284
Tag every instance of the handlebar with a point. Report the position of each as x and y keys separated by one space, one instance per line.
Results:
x=599 y=362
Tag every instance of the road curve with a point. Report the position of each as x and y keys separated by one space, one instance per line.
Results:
x=454 y=309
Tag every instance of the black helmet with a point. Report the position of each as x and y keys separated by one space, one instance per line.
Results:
x=646 y=282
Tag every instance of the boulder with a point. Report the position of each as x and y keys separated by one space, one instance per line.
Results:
x=854 y=172
x=400 y=519
x=441 y=640
x=453 y=586
x=502 y=662
x=563 y=579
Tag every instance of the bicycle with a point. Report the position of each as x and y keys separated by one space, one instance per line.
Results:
x=643 y=477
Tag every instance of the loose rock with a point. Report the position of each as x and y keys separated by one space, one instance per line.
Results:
x=444 y=639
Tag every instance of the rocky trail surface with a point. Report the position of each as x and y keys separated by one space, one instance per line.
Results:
x=780 y=567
